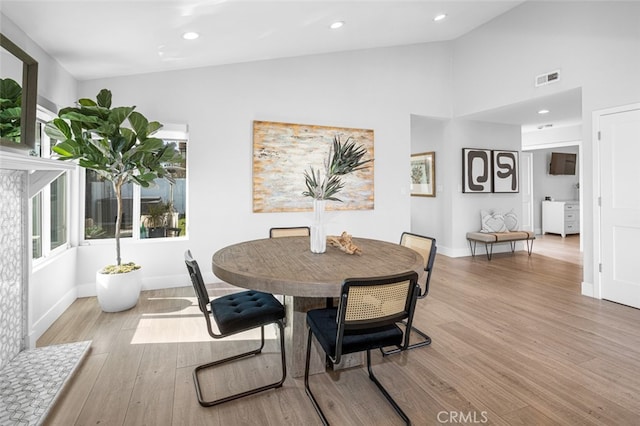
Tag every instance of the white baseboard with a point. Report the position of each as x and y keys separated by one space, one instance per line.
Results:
x=43 y=323
x=588 y=290
x=151 y=283
x=168 y=281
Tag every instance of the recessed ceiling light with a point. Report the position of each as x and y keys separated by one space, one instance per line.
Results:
x=190 y=35
x=440 y=17
x=336 y=25
x=543 y=111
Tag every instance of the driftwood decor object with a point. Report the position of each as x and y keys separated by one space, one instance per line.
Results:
x=345 y=243
x=282 y=152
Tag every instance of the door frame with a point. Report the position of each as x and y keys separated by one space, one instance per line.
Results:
x=580 y=146
x=596 y=287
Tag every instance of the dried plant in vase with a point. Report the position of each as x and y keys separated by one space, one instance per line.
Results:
x=344 y=158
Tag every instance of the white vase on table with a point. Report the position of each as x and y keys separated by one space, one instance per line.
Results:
x=318 y=232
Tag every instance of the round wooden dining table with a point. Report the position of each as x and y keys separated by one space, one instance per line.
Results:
x=287 y=266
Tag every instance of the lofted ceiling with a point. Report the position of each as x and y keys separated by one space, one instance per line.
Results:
x=95 y=39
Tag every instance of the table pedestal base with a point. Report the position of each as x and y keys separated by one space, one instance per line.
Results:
x=295 y=335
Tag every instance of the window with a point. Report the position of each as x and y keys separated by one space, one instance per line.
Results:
x=159 y=211
x=49 y=207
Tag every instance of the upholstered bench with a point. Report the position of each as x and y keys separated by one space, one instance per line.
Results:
x=491 y=238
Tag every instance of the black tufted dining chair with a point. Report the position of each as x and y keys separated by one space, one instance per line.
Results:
x=234 y=314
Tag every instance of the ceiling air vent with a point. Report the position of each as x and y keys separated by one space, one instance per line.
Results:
x=548 y=78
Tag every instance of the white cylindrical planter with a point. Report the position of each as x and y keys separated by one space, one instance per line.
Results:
x=118 y=292
x=318 y=232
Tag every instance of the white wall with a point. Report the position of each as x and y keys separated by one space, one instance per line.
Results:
x=54 y=82
x=555 y=136
x=594 y=44
x=52 y=285
x=427 y=134
x=376 y=89
x=464 y=213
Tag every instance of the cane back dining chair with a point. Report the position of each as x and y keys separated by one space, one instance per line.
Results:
x=291 y=231
x=427 y=248
x=366 y=318
x=235 y=313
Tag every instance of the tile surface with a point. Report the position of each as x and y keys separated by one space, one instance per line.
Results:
x=31 y=382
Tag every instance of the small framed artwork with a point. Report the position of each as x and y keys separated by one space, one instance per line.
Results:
x=476 y=170
x=423 y=174
x=505 y=171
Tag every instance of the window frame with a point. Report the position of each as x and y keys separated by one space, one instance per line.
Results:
x=46 y=252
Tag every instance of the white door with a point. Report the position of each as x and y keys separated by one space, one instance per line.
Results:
x=526 y=187
x=619 y=152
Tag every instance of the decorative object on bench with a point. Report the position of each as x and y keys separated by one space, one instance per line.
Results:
x=344 y=242
x=499 y=228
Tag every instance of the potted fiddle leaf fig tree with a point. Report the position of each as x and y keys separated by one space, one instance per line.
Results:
x=117 y=144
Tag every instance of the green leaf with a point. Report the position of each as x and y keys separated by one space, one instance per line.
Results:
x=11 y=113
x=119 y=114
x=77 y=116
x=10 y=90
x=64 y=149
x=86 y=102
x=139 y=123
x=118 y=144
x=150 y=145
x=153 y=127
x=58 y=129
x=104 y=98
x=130 y=137
x=148 y=177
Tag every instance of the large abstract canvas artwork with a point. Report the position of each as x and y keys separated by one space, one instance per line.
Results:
x=283 y=151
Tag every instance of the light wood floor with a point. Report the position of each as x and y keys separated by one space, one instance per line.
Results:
x=553 y=245
x=514 y=343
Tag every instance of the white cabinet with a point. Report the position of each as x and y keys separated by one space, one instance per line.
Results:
x=561 y=217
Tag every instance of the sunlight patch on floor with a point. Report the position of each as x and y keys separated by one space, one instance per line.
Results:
x=179 y=320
